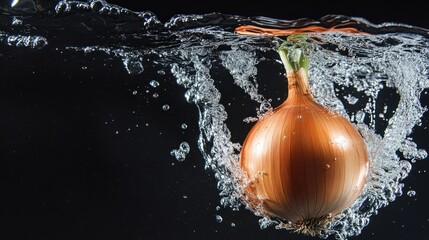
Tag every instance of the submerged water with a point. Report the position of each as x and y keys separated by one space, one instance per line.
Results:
x=377 y=78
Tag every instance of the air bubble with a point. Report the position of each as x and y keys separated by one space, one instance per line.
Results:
x=165 y=107
x=411 y=193
x=360 y=116
x=264 y=108
x=133 y=66
x=219 y=218
x=351 y=99
x=154 y=83
x=180 y=154
x=184 y=126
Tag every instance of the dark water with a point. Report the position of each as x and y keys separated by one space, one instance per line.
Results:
x=116 y=125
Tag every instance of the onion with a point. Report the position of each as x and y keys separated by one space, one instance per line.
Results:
x=306 y=163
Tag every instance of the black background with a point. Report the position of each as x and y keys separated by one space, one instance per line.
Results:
x=67 y=174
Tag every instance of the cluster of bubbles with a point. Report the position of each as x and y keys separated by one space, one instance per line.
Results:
x=181 y=152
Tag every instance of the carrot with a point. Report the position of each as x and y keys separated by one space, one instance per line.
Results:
x=260 y=31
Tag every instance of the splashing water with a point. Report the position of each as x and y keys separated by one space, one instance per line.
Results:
x=368 y=67
x=376 y=80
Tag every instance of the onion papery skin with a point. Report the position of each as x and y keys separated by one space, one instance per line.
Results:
x=305 y=162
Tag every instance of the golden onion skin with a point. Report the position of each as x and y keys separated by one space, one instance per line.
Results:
x=306 y=162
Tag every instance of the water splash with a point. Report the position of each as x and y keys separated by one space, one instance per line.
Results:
x=375 y=80
x=369 y=73
x=368 y=67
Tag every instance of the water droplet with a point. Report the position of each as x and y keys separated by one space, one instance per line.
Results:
x=299 y=116
x=219 y=219
x=327 y=166
x=232 y=224
x=161 y=72
x=155 y=95
x=154 y=83
x=134 y=92
x=84 y=67
x=184 y=126
x=217 y=208
x=411 y=193
x=185 y=197
x=165 y=107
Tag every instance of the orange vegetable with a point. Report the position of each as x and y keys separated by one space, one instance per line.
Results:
x=307 y=163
